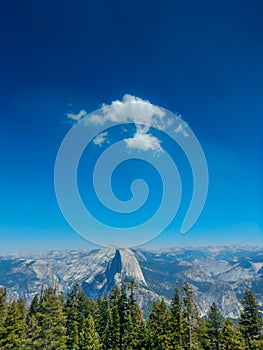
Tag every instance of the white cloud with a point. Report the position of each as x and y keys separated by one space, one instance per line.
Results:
x=130 y=109
x=100 y=138
x=144 y=142
x=95 y=119
x=180 y=129
x=78 y=116
x=136 y=110
x=133 y=109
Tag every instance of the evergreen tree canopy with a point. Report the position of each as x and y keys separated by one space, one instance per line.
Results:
x=160 y=326
x=214 y=327
x=191 y=318
x=250 y=321
x=74 y=322
x=89 y=338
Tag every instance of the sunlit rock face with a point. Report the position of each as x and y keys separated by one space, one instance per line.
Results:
x=219 y=275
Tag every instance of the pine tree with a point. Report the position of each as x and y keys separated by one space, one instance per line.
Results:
x=214 y=325
x=33 y=328
x=14 y=334
x=160 y=327
x=135 y=331
x=142 y=334
x=250 y=322
x=176 y=317
x=33 y=339
x=102 y=321
x=114 y=319
x=3 y=310
x=117 y=323
x=191 y=318
x=114 y=329
x=52 y=322
x=74 y=305
x=34 y=306
x=231 y=336
x=88 y=337
x=122 y=309
x=202 y=334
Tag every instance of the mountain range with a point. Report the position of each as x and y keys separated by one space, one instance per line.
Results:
x=216 y=274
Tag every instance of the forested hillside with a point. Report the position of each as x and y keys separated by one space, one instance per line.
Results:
x=57 y=322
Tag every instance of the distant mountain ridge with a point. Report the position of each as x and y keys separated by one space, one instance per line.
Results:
x=217 y=274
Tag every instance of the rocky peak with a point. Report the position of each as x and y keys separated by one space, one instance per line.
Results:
x=121 y=264
x=130 y=266
x=219 y=275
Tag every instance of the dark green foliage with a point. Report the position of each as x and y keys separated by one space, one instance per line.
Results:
x=34 y=306
x=88 y=337
x=73 y=322
x=250 y=322
x=51 y=322
x=114 y=329
x=3 y=310
x=231 y=336
x=177 y=318
x=3 y=305
x=136 y=332
x=122 y=305
x=214 y=327
x=190 y=318
x=76 y=311
x=103 y=322
x=14 y=328
x=114 y=321
x=160 y=326
x=202 y=333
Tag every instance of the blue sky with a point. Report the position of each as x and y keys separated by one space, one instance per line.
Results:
x=201 y=59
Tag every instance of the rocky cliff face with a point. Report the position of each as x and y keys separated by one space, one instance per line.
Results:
x=122 y=265
x=216 y=274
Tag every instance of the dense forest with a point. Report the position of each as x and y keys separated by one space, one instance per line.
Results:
x=54 y=321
